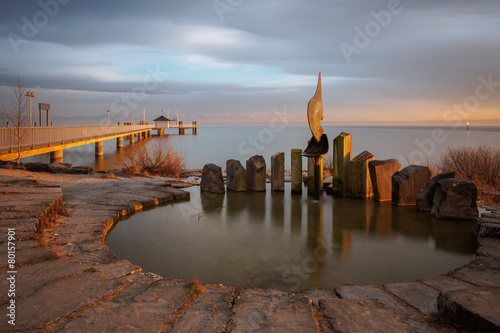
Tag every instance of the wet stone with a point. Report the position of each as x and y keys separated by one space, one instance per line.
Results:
x=316 y=294
x=211 y=179
x=362 y=315
x=477 y=275
x=426 y=197
x=445 y=283
x=256 y=173
x=278 y=172
x=416 y=294
x=455 y=198
x=272 y=311
x=236 y=176
x=296 y=170
x=408 y=183
x=475 y=308
x=381 y=172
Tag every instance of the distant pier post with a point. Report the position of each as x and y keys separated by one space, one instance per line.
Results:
x=99 y=148
x=119 y=142
x=195 y=128
x=132 y=139
x=56 y=156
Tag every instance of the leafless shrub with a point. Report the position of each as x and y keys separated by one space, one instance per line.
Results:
x=159 y=159
x=481 y=164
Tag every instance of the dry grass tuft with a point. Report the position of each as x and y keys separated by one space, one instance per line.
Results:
x=160 y=159
x=197 y=287
x=481 y=164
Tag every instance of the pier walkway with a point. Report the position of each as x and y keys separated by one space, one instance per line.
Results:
x=53 y=140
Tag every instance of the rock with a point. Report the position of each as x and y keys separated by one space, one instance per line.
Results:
x=361 y=183
x=278 y=172
x=362 y=315
x=342 y=155
x=81 y=170
x=424 y=199
x=116 y=172
x=455 y=198
x=381 y=172
x=408 y=183
x=419 y=295
x=37 y=167
x=236 y=176
x=256 y=173
x=296 y=170
x=211 y=179
x=475 y=309
x=58 y=167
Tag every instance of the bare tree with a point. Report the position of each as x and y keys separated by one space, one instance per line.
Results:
x=17 y=115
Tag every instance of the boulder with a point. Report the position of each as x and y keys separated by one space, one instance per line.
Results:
x=236 y=176
x=58 y=167
x=342 y=155
x=256 y=173
x=81 y=170
x=381 y=172
x=424 y=199
x=455 y=198
x=37 y=167
x=278 y=172
x=361 y=184
x=211 y=179
x=408 y=183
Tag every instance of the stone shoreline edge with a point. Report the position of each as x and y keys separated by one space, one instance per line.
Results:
x=68 y=280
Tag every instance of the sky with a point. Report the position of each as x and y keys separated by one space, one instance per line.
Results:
x=253 y=61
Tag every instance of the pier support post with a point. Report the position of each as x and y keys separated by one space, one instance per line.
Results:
x=139 y=137
x=119 y=142
x=182 y=131
x=56 y=156
x=195 y=128
x=296 y=171
x=132 y=139
x=99 y=147
x=161 y=132
x=278 y=172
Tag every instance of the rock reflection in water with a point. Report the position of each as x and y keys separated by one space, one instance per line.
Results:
x=285 y=241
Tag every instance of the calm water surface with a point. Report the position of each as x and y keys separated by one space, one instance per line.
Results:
x=218 y=143
x=290 y=242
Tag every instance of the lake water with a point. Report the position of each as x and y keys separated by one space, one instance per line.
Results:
x=218 y=143
x=290 y=242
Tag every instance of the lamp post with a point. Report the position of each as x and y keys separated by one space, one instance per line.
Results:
x=108 y=117
x=467 y=127
x=30 y=94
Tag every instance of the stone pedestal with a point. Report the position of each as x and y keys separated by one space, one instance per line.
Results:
x=361 y=183
x=342 y=155
x=455 y=198
x=408 y=183
x=278 y=172
x=256 y=173
x=296 y=170
x=211 y=179
x=381 y=172
x=236 y=176
x=425 y=198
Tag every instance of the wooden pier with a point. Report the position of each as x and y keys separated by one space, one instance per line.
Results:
x=53 y=140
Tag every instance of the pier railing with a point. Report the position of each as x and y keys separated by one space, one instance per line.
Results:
x=39 y=136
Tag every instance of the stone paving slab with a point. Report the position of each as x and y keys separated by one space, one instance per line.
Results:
x=25 y=256
x=478 y=276
x=209 y=313
x=33 y=277
x=445 y=283
x=362 y=315
x=148 y=311
x=258 y=310
x=59 y=299
x=476 y=308
x=418 y=295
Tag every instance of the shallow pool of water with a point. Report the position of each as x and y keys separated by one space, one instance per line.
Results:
x=289 y=242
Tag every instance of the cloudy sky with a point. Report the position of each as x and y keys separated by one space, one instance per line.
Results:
x=382 y=62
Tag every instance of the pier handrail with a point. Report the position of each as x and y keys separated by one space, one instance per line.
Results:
x=38 y=136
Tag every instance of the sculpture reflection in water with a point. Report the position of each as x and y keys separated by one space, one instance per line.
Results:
x=317 y=147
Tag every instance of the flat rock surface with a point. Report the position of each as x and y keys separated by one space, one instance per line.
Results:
x=258 y=310
x=362 y=315
x=70 y=282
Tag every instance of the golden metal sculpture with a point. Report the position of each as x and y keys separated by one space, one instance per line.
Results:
x=317 y=146
x=315 y=112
